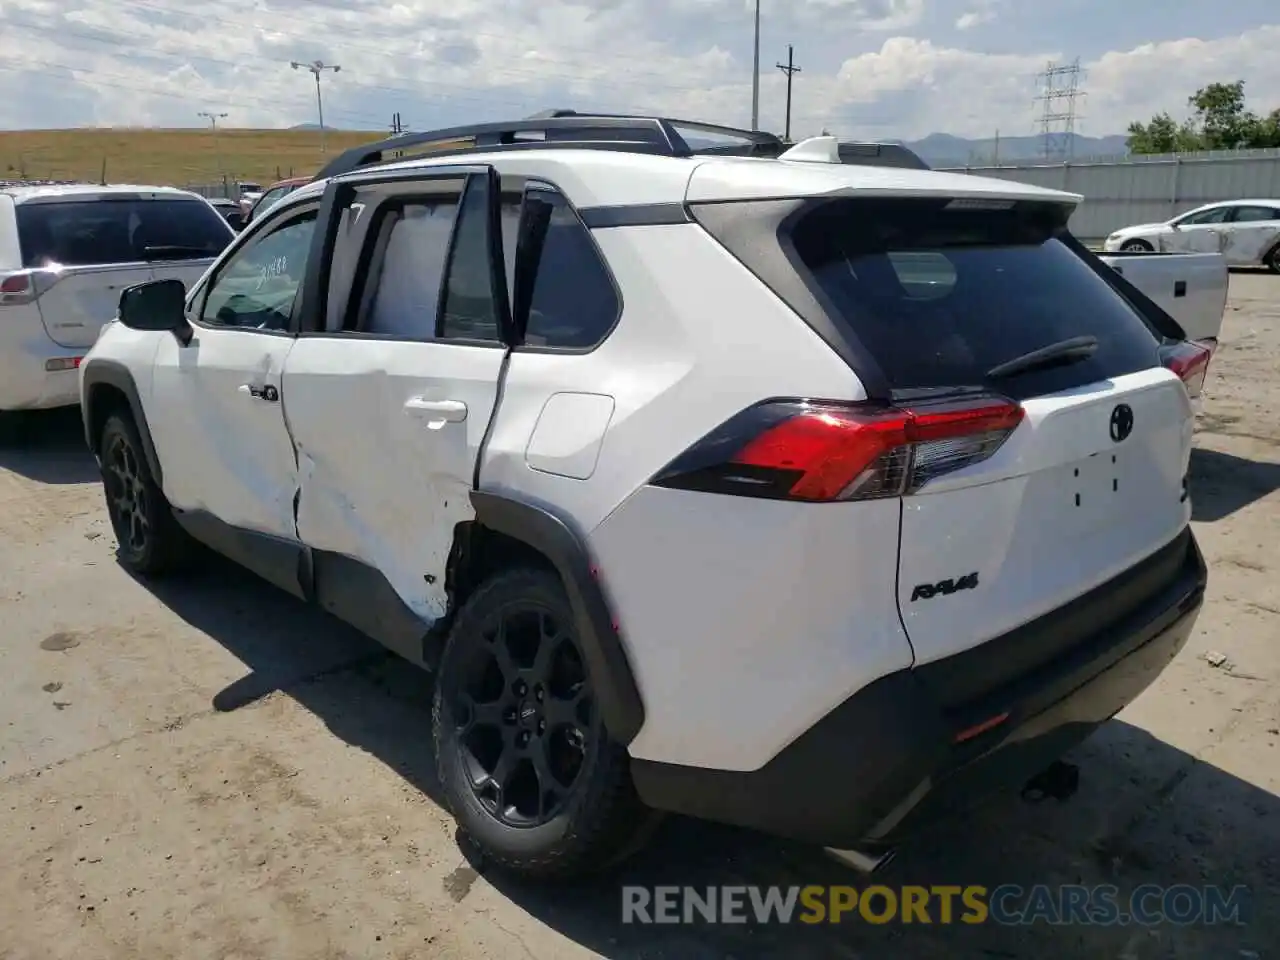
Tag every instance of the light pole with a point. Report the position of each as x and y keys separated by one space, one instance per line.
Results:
x=317 y=67
x=213 y=119
x=755 y=76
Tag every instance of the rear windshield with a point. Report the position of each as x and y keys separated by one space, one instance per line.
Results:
x=940 y=295
x=86 y=232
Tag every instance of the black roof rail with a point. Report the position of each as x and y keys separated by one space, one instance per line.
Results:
x=566 y=128
x=560 y=128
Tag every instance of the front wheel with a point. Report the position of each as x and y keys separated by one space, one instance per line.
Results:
x=524 y=760
x=1136 y=246
x=151 y=542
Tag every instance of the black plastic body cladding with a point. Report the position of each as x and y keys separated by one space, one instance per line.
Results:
x=109 y=373
x=611 y=676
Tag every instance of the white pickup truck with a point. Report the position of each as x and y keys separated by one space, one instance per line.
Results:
x=1190 y=287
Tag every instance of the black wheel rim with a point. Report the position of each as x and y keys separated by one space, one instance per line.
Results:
x=126 y=495
x=524 y=716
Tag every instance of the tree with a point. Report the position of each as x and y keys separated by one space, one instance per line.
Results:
x=1221 y=117
x=1219 y=120
x=1163 y=135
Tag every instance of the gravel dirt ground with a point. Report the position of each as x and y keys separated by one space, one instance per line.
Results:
x=208 y=769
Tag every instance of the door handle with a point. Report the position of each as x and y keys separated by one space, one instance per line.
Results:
x=267 y=392
x=436 y=412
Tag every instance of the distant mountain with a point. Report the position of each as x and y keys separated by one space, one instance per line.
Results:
x=307 y=126
x=944 y=150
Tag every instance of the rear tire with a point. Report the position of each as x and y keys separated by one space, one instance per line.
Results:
x=1272 y=259
x=1136 y=246
x=151 y=542
x=525 y=763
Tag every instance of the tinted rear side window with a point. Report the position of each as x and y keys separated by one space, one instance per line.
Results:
x=85 y=232
x=939 y=295
x=574 y=305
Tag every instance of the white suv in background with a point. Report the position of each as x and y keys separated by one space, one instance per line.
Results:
x=66 y=253
x=805 y=496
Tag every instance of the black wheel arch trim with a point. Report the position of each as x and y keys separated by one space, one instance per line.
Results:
x=621 y=707
x=113 y=374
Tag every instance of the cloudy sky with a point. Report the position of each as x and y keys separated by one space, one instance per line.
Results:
x=871 y=68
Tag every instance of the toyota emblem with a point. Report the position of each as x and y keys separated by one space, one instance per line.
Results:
x=1121 y=422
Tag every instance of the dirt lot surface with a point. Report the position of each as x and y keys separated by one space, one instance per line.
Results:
x=211 y=770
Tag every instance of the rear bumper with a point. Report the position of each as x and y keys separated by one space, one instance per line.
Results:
x=887 y=761
x=26 y=383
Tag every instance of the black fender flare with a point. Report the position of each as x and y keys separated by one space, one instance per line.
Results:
x=117 y=375
x=621 y=707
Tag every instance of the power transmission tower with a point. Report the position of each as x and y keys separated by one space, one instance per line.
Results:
x=397 y=127
x=790 y=69
x=1060 y=89
x=318 y=67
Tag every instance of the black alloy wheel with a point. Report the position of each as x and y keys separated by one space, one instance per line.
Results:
x=525 y=718
x=128 y=497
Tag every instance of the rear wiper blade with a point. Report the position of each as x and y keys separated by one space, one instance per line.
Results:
x=1064 y=351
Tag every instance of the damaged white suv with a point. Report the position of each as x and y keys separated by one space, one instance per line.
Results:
x=701 y=471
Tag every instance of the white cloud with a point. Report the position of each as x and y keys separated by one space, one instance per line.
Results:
x=980 y=12
x=870 y=67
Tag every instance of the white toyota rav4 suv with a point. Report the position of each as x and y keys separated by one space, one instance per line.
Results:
x=66 y=253
x=805 y=496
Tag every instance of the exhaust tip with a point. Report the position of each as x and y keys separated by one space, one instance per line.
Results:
x=864 y=863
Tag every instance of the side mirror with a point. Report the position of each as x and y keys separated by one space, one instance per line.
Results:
x=157 y=305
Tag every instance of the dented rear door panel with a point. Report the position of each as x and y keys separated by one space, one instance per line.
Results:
x=387 y=435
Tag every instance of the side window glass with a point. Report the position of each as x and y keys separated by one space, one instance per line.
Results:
x=574 y=303
x=1254 y=214
x=414 y=242
x=256 y=288
x=510 y=219
x=1216 y=215
x=470 y=307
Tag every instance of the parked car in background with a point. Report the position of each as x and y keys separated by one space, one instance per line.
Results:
x=1245 y=232
x=230 y=210
x=275 y=192
x=66 y=253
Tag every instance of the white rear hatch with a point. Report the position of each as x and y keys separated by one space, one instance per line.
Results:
x=82 y=249
x=1026 y=415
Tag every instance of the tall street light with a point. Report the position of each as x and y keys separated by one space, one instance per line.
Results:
x=213 y=119
x=755 y=76
x=317 y=67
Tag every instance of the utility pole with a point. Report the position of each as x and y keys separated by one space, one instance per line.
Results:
x=397 y=127
x=213 y=119
x=317 y=67
x=755 y=76
x=790 y=69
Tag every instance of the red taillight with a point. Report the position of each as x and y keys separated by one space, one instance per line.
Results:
x=828 y=451
x=21 y=287
x=1189 y=359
